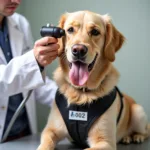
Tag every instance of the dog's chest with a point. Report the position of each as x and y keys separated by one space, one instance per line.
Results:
x=79 y=118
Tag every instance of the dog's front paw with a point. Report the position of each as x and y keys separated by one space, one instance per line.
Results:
x=127 y=140
x=43 y=147
x=138 y=138
x=91 y=149
x=97 y=149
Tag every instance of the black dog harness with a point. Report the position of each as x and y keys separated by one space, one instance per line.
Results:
x=79 y=118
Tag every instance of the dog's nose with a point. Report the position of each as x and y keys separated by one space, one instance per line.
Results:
x=79 y=50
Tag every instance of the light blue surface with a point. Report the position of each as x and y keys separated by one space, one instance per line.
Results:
x=32 y=142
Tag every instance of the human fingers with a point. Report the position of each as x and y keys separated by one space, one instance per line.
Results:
x=43 y=50
x=45 y=41
x=47 y=59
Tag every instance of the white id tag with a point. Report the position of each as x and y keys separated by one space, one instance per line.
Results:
x=78 y=115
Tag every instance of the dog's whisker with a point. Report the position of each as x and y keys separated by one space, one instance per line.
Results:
x=63 y=56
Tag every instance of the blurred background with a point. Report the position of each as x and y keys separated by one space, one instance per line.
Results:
x=132 y=18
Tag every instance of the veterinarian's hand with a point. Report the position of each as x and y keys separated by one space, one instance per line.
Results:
x=46 y=50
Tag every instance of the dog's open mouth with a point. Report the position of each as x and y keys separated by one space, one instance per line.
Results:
x=79 y=71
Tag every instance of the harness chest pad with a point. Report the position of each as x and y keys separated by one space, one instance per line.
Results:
x=78 y=129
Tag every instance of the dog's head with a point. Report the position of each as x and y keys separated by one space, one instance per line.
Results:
x=90 y=44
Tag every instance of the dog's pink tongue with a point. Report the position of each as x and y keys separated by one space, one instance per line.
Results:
x=79 y=73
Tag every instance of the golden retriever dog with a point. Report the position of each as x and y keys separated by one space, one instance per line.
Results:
x=86 y=77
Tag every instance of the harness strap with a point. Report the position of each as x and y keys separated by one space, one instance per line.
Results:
x=122 y=106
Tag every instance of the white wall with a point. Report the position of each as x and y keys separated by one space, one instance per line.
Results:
x=132 y=18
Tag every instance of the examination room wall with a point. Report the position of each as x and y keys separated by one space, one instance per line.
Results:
x=132 y=18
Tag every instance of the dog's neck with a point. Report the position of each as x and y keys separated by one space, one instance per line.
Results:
x=84 y=89
x=82 y=95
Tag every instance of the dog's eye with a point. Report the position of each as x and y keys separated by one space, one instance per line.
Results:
x=71 y=30
x=94 y=32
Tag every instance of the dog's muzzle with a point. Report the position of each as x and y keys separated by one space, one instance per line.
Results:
x=80 y=70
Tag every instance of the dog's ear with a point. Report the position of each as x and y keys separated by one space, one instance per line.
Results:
x=61 y=41
x=113 y=40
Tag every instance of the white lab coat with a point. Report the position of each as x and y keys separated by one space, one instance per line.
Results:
x=22 y=73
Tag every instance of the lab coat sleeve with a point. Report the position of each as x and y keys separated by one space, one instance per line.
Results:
x=21 y=73
x=46 y=93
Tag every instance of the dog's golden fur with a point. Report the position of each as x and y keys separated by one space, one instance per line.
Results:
x=104 y=133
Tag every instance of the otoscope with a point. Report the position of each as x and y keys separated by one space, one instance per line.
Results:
x=48 y=30
x=53 y=31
